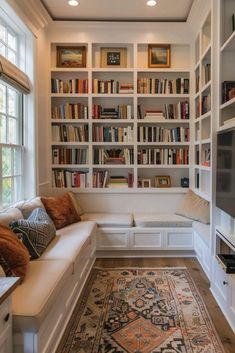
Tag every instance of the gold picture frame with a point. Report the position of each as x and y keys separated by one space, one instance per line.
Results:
x=146 y=183
x=113 y=57
x=159 y=55
x=71 y=56
x=162 y=181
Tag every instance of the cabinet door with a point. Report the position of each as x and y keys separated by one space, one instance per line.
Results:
x=6 y=340
x=221 y=282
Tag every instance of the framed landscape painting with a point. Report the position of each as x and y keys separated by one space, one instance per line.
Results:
x=159 y=55
x=71 y=56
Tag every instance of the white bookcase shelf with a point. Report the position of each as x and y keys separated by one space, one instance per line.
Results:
x=112 y=129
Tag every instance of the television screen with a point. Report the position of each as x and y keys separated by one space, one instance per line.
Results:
x=225 y=175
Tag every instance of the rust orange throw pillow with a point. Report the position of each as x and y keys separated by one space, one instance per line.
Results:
x=14 y=256
x=61 y=210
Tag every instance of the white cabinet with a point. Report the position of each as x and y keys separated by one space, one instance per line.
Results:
x=7 y=285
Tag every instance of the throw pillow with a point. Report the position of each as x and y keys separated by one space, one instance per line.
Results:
x=61 y=210
x=194 y=207
x=36 y=232
x=14 y=257
x=75 y=203
x=27 y=207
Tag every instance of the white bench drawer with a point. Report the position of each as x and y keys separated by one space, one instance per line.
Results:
x=147 y=239
x=115 y=239
x=179 y=239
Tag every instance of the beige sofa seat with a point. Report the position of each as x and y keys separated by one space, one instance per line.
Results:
x=161 y=220
x=112 y=220
x=33 y=299
x=203 y=231
x=69 y=242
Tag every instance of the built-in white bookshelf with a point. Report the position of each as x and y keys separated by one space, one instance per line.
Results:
x=202 y=120
x=118 y=135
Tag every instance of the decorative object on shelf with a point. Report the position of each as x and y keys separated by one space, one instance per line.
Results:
x=162 y=181
x=184 y=182
x=146 y=183
x=233 y=22
x=159 y=55
x=71 y=56
x=113 y=57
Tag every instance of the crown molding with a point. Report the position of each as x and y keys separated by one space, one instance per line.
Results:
x=32 y=12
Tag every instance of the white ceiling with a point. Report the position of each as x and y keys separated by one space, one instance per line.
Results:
x=119 y=10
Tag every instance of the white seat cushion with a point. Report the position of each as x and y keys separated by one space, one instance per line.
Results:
x=203 y=231
x=69 y=242
x=161 y=220
x=10 y=214
x=32 y=300
x=113 y=220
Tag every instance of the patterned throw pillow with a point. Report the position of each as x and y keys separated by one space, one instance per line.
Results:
x=36 y=232
x=61 y=210
x=14 y=257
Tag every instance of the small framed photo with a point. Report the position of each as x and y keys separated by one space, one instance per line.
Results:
x=146 y=183
x=163 y=181
x=71 y=56
x=159 y=55
x=113 y=57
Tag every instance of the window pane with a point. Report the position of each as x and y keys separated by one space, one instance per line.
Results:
x=6 y=161
x=2 y=33
x=2 y=50
x=12 y=102
x=17 y=189
x=3 y=131
x=6 y=191
x=2 y=98
x=17 y=161
x=11 y=56
x=11 y=41
x=13 y=131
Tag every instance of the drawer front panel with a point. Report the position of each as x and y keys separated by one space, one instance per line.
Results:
x=5 y=314
x=147 y=240
x=179 y=240
x=112 y=239
x=221 y=281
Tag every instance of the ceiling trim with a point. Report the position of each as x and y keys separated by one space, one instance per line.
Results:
x=114 y=20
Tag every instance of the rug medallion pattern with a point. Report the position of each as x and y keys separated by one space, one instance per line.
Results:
x=141 y=311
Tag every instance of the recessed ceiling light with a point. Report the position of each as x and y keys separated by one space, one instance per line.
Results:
x=151 y=2
x=73 y=2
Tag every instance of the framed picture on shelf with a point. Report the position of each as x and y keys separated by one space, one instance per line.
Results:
x=146 y=183
x=71 y=56
x=162 y=181
x=113 y=57
x=159 y=55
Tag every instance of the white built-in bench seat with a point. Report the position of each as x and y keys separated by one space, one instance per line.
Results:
x=114 y=220
x=203 y=231
x=161 y=220
x=202 y=237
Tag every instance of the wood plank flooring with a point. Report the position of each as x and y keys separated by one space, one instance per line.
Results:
x=224 y=331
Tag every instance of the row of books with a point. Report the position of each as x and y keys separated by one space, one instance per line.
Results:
x=69 y=133
x=171 y=111
x=168 y=156
x=159 y=134
x=76 y=85
x=112 y=134
x=228 y=90
x=120 y=112
x=111 y=86
x=69 y=179
x=101 y=179
x=62 y=155
x=70 y=111
x=163 y=86
x=206 y=104
x=113 y=156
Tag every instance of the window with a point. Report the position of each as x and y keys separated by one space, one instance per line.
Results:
x=8 y=43
x=11 y=126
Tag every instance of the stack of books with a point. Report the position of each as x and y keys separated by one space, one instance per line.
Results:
x=154 y=114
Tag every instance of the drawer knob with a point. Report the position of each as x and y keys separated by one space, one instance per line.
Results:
x=6 y=318
x=225 y=283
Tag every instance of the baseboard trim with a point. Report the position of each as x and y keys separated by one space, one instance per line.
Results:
x=145 y=253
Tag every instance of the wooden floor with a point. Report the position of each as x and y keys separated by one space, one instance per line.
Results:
x=224 y=331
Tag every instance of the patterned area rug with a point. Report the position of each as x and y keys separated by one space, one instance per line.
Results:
x=141 y=311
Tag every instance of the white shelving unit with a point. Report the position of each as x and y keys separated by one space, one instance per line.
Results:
x=134 y=169
x=202 y=122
